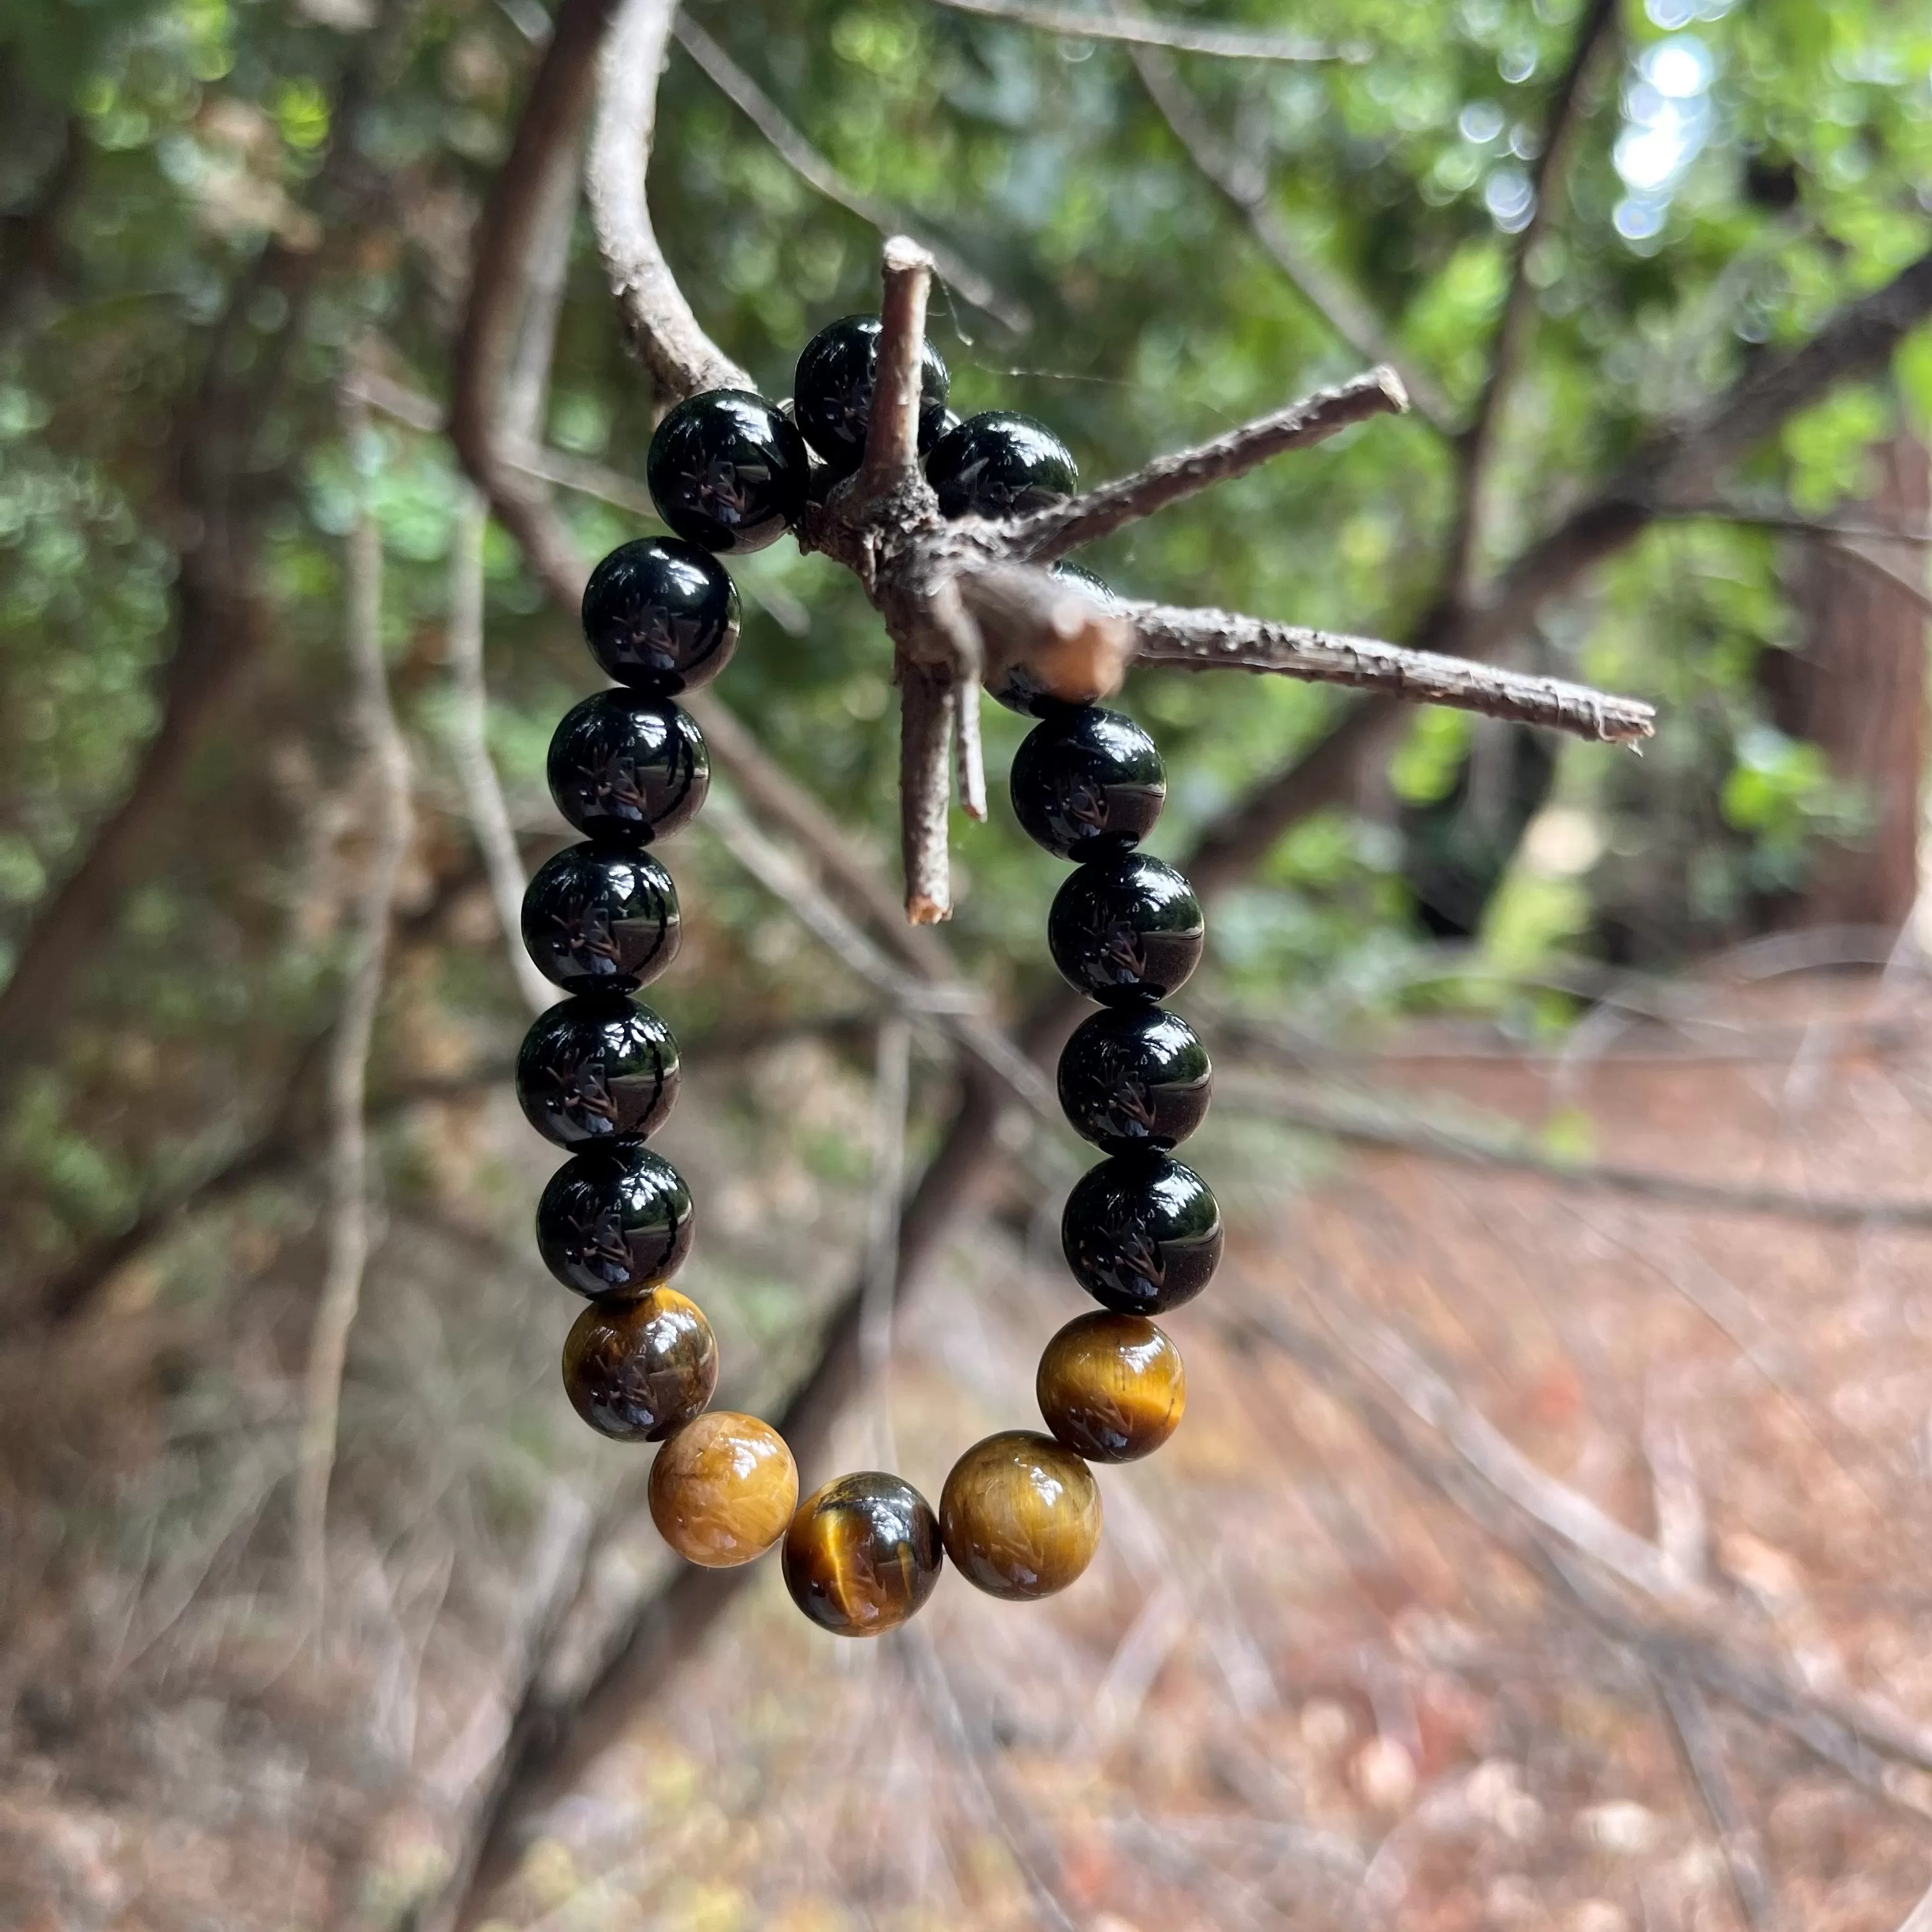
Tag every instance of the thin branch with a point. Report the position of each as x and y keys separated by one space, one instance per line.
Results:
x=816 y=172
x=892 y=1072
x=1596 y=34
x=483 y=794
x=1370 y=1128
x=1887 y=573
x=1772 y=517
x=925 y=737
x=1141 y=30
x=662 y=331
x=891 y=462
x=1050 y=533
x=348 y=1233
x=1242 y=182
x=1209 y=639
x=1702 y=1751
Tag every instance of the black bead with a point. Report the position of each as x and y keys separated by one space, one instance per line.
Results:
x=1126 y=930
x=628 y=767
x=599 y=1067
x=614 y=1220
x=1088 y=784
x=1135 y=1077
x=598 y=916
x=1141 y=1233
x=727 y=471
x=661 y=616
x=1000 y=464
x=1016 y=687
x=831 y=392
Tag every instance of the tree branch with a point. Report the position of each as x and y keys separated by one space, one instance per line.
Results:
x=1050 y=533
x=925 y=739
x=381 y=742
x=662 y=331
x=1141 y=30
x=1702 y=1752
x=1243 y=182
x=1209 y=639
x=1775 y=517
x=817 y=173
x=890 y=466
x=1596 y=34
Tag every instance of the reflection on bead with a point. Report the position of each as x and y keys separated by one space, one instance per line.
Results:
x=723 y=1489
x=661 y=616
x=1141 y=1233
x=1135 y=1077
x=832 y=392
x=636 y=1370
x=598 y=916
x=628 y=767
x=1111 y=1387
x=1020 y=1515
x=1124 y=930
x=614 y=1220
x=862 y=1554
x=727 y=470
x=1087 y=784
x=1000 y=464
x=598 y=1067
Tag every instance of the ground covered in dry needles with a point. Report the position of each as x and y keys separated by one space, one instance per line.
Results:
x=1541 y=1546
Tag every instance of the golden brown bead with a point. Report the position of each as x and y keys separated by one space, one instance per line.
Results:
x=1020 y=1515
x=862 y=1554
x=634 y=1370
x=1111 y=1387
x=723 y=1488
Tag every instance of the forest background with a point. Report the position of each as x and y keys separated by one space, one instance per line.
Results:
x=1546 y=1551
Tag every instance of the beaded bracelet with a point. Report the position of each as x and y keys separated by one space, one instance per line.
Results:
x=1020 y=1513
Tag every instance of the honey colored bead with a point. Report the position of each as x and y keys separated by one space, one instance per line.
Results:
x=636 y=1370
x=1020 y=1515
x=723 y=1489
x=862 y=1554
x=1111 y=1388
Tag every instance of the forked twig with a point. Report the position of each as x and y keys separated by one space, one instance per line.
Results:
x=1047 y=534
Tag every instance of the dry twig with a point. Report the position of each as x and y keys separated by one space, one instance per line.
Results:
x=1702 y=1751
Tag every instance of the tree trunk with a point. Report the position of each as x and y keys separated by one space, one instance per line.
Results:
x=1856 y=689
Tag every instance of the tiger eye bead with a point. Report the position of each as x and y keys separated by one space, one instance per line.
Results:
x=1087 y=784
x=1020 y=1515
x=862 y=1554
x=1111 y=1388
x=661 y=616
x=723 y=1489
x=636 y=1370
x=1134 y=1077
x=614 y=1220
x=628 y=767
x=1141 y=1233
x=598 y=1067
x=598 y=916
x=1123 y=931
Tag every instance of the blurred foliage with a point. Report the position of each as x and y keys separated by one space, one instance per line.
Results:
x=1747 y=169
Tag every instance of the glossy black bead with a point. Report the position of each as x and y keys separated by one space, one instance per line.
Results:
x=831 y=392
x=1141 y=1233
x=1135 y=1077
x=614 y=1220
x=599 y=1067
x=661 y=616
x=1000 y=464
x=1088 y=784
x=600 y=917
x=627 y=767
x=1016 y=687
x=727 y=470
x=1125 y=931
